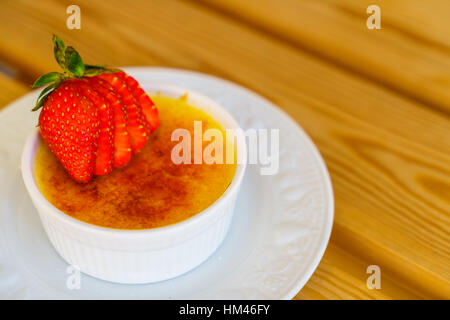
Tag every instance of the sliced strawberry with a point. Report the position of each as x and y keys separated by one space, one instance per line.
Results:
x=122 y=146
x=93 y=118
x=148 y=107
x=141 y=116
x=105 y=149
x=69 y=126
x=135 y=121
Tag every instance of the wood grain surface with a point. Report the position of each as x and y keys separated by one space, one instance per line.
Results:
x=402 y=57
x=376 y=103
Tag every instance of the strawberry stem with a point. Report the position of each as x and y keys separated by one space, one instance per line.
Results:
x=72 y=67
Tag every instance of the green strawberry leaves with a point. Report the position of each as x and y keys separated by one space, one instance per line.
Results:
x=59 y=50
x=91 y=70
x=54 y=78
x=43 y=95
x=46 y=79
x=73 y=67
x=67 y=57
x=74 y=63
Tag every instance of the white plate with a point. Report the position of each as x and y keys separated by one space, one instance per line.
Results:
x=278 y=236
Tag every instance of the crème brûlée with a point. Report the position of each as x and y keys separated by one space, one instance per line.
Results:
x=151 y=190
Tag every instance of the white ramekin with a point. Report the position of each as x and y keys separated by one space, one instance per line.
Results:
x=140 y=256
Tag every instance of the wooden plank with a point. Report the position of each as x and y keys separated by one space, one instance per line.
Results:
x=10 y=90
x=336 y=30
x=388 y=156
x=29 y=26
x=343 y=276
x=425 y=21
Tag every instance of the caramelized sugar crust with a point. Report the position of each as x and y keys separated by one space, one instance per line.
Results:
x=150 y=191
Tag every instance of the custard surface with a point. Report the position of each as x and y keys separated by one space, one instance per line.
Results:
x=150 y=191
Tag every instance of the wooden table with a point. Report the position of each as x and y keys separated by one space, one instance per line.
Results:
x=376 y=103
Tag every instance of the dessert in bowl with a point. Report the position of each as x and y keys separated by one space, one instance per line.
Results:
x=152 y=191
x=150 y=219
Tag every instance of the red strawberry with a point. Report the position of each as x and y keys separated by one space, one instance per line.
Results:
x=136 y=123
x=122 y=146
x=93 y=118
x=105 y=150
x=69 y=126
x=148 y=107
